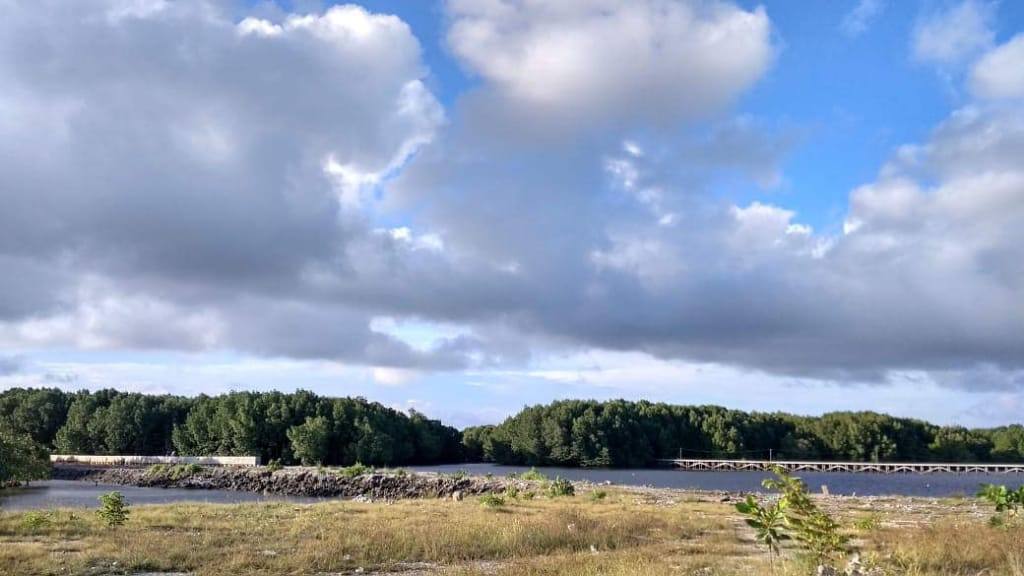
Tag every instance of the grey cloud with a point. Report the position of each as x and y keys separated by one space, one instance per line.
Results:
x=60 y=378
x=167 y=190
x=162 y=160
x=985 y=377
x=11 y=365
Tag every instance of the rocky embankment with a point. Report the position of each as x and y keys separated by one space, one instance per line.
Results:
x=310 y=482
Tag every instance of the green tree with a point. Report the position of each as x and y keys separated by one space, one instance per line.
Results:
x=958 y=444
x=38 y=414
x=311 y=440
x=21 y=459
x=113 y=509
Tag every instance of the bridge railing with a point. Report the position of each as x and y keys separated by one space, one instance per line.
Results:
x=832 y=466
x=128 y=460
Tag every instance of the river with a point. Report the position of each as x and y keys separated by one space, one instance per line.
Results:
x=70 y=494
x=839 y=483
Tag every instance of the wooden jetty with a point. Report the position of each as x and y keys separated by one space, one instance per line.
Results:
x=856 y=467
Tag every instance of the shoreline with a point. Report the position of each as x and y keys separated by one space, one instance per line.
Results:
x=393 y=485
x=296 y=481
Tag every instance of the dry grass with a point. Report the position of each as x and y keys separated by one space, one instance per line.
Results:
x=951 y=548
x=540 y=537
x=622 y=535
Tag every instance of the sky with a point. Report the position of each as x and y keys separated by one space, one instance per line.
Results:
x=468 y=206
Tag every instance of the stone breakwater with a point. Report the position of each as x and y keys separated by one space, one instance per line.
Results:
x=310 y=482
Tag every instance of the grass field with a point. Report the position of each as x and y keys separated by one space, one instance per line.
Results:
x=626 y=533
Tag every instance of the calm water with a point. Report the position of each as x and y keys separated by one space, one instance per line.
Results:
x=71 y=494
x=838 y=483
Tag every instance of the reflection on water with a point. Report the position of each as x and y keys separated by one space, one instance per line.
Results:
x=71 y=494
x=938 y=485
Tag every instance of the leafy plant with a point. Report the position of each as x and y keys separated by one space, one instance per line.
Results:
x=1007 y=502
x=868 y=523
x=156 y=470
x=35 y=521
x=814 y=529
x=511 y=491
x=560 y=487
x=173 y=472
x=355 y=470
x=768 y=522
x=598 y=495
x=185 y=471
x=492 y=501
x=533 y=475
x=274 y=465
x=113 y=509
x=793 y=516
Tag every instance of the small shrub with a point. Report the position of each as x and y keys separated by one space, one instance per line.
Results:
x=354 y=471
x=814 y=529
x=1006 y=501
x=113 y=509
x=156 y=470
x=534 y=475
x=561 y=487
x=598 y=495
x=36 y=521
x=528 y=495
x=512 y=492
x=492 y=501
x=182 y=471
x=173 y=472
x=768 y=522
x=460 y=475
x=274 y=466
x=868 y=523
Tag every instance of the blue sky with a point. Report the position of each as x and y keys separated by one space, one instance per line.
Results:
x=467 y=207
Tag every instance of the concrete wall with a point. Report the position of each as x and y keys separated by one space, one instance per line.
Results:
x=150 y=460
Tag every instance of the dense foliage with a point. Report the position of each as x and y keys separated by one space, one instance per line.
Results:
x=633 y=434
x=21 y=459
x=304 y=427
x=289 y=427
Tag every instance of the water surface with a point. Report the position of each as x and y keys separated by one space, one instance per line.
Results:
x=75 y=494
x=840 y=483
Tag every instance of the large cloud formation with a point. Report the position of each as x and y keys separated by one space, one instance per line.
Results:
x=612 y=60
x=171 y=175
x=175 y=177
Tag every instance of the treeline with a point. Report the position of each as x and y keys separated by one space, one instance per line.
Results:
x=303 y=427
x=297 y=427
x=637 y=434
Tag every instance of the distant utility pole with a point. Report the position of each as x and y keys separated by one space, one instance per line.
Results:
x=769 y=454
